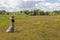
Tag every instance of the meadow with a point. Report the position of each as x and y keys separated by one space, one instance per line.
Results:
x=31 y=28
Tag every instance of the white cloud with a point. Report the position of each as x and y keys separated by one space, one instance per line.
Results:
x=33 y=0
x=16 y=4
x=48 y=6
x=9 y=4
x=13 y=5
x=59 y=0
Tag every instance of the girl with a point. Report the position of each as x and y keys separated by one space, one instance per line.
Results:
x=11 y=28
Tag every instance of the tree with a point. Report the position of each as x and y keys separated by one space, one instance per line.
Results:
x=7 y=13
x=26 y=12
x=0 y=12
x=35 y=12
x=47 y=13
x=3 y=12
x=42 y=13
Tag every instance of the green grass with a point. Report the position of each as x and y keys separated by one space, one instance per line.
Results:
x=31 y=28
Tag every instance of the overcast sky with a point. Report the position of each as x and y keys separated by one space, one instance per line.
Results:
x=16 y=5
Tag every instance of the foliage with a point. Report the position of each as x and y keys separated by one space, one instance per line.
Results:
x=31 y=13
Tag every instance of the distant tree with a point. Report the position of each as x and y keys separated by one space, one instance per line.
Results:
x=42 y=13
x=35 y=12
x=3 y=12
x=0 y=12
x=31 y=13
x=47 y=13
x=21 y=11
x=26 y=12
x=7 y=13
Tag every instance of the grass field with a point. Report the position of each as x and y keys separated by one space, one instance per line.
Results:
x=31 y=28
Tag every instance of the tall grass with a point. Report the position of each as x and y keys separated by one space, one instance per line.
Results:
x=31 y=28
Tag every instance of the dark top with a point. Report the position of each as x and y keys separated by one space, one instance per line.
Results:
x=12 y=19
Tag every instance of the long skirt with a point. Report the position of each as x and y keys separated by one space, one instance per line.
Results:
x=11 y=28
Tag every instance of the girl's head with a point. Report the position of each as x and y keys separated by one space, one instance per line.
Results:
x=12 y=16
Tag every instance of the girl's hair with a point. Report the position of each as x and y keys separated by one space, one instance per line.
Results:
x=12 y=16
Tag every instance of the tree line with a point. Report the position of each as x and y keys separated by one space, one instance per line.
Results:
x=31 y=13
